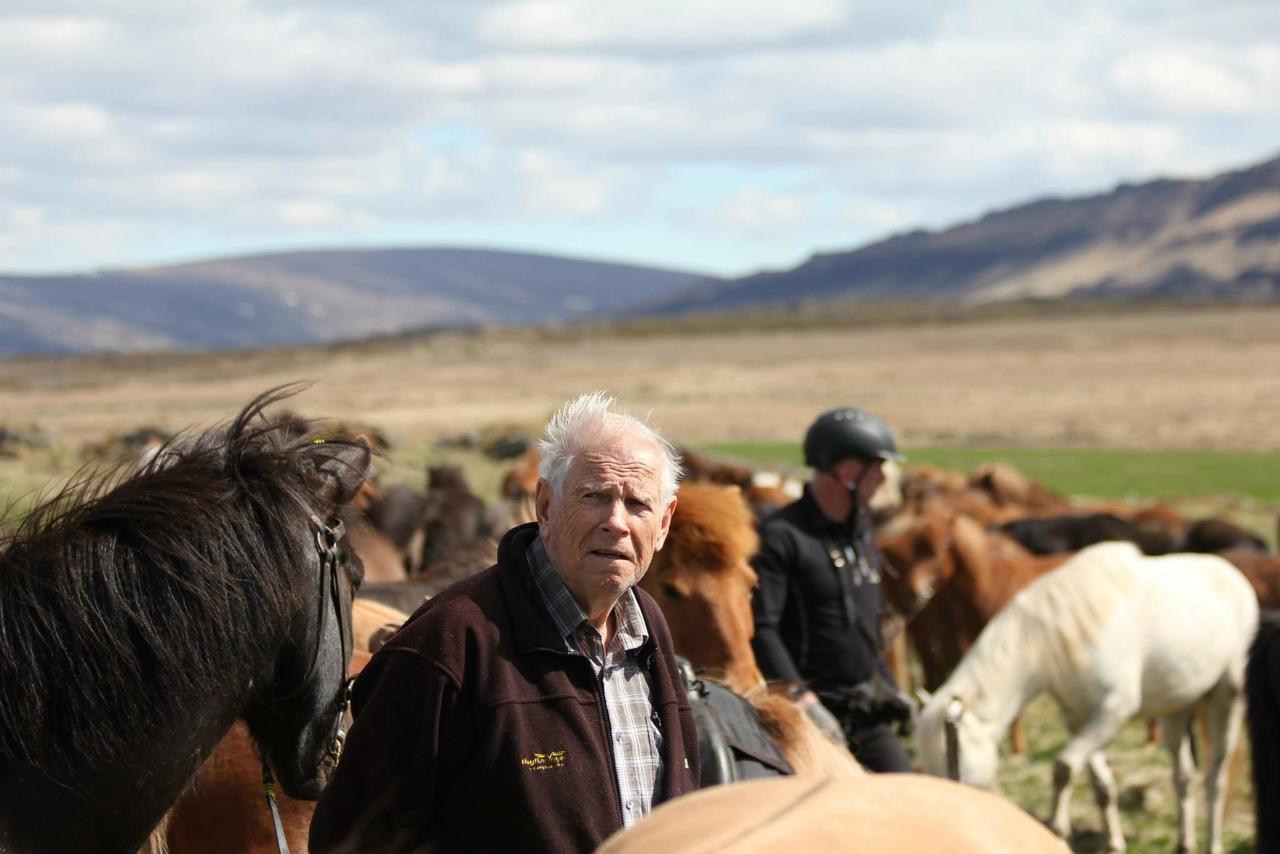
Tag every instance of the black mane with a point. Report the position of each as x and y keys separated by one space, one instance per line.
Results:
x=133 y=590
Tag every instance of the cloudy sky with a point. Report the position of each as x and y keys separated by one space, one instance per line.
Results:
x=714 y=135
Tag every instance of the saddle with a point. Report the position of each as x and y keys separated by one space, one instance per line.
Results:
x=733 y=744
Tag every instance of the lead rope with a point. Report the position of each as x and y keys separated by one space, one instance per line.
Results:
x=269 y=787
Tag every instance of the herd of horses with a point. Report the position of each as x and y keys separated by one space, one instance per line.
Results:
x=170 y=629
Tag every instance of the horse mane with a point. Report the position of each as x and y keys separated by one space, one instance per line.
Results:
x=1056 y=620
x=711 y=528
x=132 y=588
x=808 y=751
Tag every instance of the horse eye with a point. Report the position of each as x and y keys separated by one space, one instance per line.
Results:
x=670 y=591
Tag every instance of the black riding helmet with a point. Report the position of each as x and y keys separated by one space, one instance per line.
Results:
x=848 y=432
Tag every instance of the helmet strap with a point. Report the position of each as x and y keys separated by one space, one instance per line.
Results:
x=855 y=505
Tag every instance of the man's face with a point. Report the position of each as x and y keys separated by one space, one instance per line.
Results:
x=871 y=473
x=601 y=532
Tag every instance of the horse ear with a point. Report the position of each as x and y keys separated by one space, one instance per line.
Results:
x=343 y=466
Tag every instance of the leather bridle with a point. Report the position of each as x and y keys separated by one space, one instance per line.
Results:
x=327 y=538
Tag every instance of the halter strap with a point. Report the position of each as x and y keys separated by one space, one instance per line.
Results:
x=327 y=538
x=950 y=721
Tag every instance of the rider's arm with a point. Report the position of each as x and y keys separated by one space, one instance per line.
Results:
x=768 y=602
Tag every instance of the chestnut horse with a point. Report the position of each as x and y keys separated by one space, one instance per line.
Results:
x=875 y=812
x=965 y=574
x=702 y=579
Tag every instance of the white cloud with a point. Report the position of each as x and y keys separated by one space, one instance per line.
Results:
x=322 y=213
x=1174 y=80
x=304 y=120
x=756 y=210
x=663 y=24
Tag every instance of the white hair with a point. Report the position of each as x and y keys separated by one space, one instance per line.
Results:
x=586 y=419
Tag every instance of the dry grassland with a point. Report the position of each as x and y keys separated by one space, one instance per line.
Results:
x=1164 y=379
x=1168 y=379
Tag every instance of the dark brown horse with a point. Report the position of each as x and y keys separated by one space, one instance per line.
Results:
x=1262 y=688
x=1219 y=535
x=144 y=612
x=1262 y=571
x=224 y=809
x=455 y=517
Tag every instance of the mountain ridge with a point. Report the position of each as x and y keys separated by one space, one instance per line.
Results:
x=315 y=296
x=1212 y=237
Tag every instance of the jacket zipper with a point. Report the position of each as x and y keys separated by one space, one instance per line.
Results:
x=607 y=727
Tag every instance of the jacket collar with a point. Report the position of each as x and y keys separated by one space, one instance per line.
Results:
x=533 y=628
x=531 y=623
x=818 y=520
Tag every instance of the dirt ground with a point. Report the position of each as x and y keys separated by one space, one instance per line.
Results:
x=1167 y=379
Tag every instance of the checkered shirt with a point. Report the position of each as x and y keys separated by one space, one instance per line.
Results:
x=630 y=717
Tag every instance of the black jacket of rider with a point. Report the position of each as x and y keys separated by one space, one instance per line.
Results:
x=805 y=630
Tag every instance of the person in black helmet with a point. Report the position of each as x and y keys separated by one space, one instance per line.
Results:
x=817 y=606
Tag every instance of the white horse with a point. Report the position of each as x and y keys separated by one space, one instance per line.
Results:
x=1109 y=634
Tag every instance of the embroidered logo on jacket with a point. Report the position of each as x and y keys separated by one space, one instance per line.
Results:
x=545 y=761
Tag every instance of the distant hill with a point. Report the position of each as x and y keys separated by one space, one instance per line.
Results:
x=1211 y=239
x=311 y=297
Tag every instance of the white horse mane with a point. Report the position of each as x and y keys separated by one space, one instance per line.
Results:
x=1057 y=619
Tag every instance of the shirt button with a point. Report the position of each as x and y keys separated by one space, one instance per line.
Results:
x=617 y=736
x=631 y=805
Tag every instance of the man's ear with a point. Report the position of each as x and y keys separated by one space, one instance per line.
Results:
x=542 y=500
x=343 y=467
x=666 y=523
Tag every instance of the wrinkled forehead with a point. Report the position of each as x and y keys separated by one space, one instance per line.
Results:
x=623 y=460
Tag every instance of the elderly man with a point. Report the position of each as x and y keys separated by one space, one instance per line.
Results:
x=535 y=706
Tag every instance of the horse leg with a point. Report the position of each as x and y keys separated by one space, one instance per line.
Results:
x=1104 y=793
x=1017 y=737
x=1101 y=727
x=1060 y=811
x=1178 y=741
x=1226 y=712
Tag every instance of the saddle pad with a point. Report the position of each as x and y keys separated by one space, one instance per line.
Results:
x=745 y=734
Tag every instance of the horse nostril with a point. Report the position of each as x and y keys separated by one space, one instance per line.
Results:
x=670 y=591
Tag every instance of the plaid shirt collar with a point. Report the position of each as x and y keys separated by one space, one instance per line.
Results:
x=568 y=616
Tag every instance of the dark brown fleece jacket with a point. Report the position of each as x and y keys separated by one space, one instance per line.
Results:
x=474 y=730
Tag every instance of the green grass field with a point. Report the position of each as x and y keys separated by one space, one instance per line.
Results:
x=1241 y=486
x=1139 y=475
